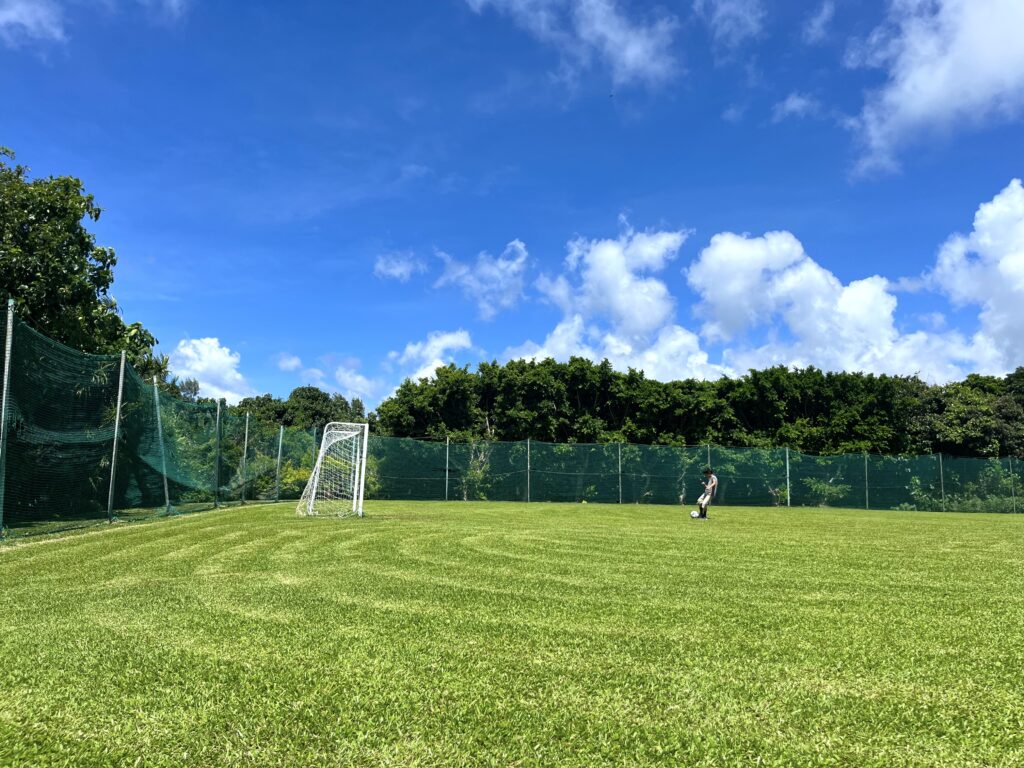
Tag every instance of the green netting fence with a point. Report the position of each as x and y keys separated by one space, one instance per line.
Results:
x=64 y=411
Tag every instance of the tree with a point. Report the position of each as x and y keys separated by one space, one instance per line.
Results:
x=57 y=275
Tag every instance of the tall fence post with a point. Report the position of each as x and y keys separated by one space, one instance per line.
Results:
x=216 y=461
x=1013 y=490
x=942 y=483
x=117 y=435
x=709 y=454
x=789 y=495
x=4 y=394
x=620 y=473
x=362 y=470
x=527 y=470
x=163 y=451
x=277 y=474
x=867 y=500
x=447 y=447
x=245 y=453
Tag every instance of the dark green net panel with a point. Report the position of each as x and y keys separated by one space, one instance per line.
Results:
x=59 y=434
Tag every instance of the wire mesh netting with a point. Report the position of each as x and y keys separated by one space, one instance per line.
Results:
x=59 y=468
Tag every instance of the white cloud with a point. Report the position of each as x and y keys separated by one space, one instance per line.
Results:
x=795 y=105
x=730 y=276
x=355 y=385
x=986 y=269
x=215 y=367
x=435 y=351
x=398 y=266
x=764 y=301
x=732 y=22
x=614 y=308
x=582 y=30
x=615 y=284
x=768 y=285
x=314 y=376
x=816 y=27
x=173 y=9
x=733 y=113
x=288 y=362
x=950 y=64
x=495 y=284
x=23 y=21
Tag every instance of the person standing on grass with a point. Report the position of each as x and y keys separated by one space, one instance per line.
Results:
x=710 y=488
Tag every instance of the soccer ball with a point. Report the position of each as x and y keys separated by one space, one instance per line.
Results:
x=695 y=514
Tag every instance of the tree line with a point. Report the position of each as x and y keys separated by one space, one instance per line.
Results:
x=807 y=409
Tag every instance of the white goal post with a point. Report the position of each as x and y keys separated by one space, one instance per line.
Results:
x=339 y=475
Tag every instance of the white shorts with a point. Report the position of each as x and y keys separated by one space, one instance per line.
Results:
x=705 y=498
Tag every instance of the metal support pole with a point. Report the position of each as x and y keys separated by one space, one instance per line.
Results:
x=867 y=500
x=216 y=462
x=354 y=463
x=117 y=434
x=447 y=445
x=4 y=394
x=1013 y=490
x=789 y=496
x=527 y=470
x=277 y=475
x=942 y=483
x=709 y=454
x=362 y=473
x=620 y=473
x=245 y=453
x=163 y=451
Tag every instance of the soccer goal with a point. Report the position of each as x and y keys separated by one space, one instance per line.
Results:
x=336 y=485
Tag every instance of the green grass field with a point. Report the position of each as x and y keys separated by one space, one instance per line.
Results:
x=507 y=634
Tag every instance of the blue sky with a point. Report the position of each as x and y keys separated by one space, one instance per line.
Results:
x=351 y=193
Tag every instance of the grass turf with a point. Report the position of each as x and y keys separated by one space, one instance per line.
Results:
x=504 y=634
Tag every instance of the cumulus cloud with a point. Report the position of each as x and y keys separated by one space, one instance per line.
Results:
x=214 y=366
x=288 y=362
x=816 y=27
x=950 y=64
x=425 y=357
x=732 y=22
x=673 y=352
x=585 y=30
x=25 y=21
x=314 y=376
x=795 y=105
x=615 y=283
x=495 y=284
x=763 y=301
x=986 y=269
x=173 y=9
x=22 y=21
x=398 y=266
x=614 y=307
x=768 y=285
x=355 y=385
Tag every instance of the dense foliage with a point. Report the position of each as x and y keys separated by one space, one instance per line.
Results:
x=306 y=407
x=806 y=409
x=57 y=275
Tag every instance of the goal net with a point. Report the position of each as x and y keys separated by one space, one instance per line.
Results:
x=336 y=485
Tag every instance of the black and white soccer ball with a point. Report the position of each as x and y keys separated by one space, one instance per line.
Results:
x=695 y=514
